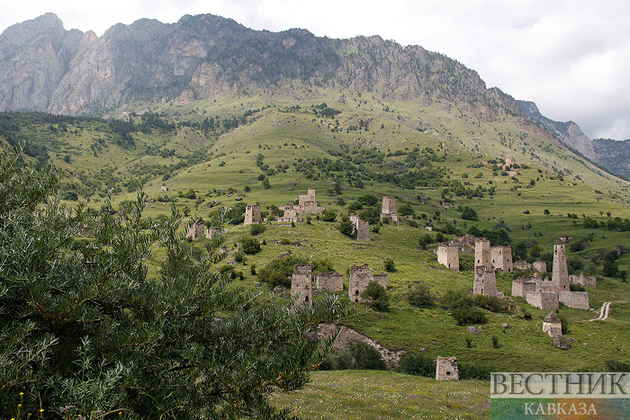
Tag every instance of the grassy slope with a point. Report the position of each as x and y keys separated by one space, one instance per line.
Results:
x=284 y=137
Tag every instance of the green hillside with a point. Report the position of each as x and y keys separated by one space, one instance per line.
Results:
x=436 y=162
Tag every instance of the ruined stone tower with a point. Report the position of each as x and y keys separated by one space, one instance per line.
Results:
x=388 y=210
x=361 y=228
x=446 y=369
x=560 y=275
x=307 y=202
x=502 y=258
x=196 y=230
x=485 y=282
x=360 y=277
x=164 y=189
x=552 y=325
x=448 y=256
x=301 y=284
x=252 y=215
x=482 y=253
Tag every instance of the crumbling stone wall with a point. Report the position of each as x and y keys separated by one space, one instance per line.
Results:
x=543 y=300
x=482 y=253
x=301 y=284
x=577 y=300
x=540 y=266
x=381 y=279
x=485 y=282
x=448 y=256
x=583 y=280
x=329 y=282
x=446 y=369
x=523 y=285
x=388 y=210
x=502 y=258
x=212 y=233
x=252 y=215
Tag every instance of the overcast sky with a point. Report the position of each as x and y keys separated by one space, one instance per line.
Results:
x=571 y=57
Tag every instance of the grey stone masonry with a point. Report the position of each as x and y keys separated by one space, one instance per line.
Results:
x=252 y=215
x=388 y=210
x=448 y=256
x=329 y=282
x=302 y=285
x=446 y=369
x=482 y=253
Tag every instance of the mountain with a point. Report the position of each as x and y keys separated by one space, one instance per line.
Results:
x=49 y=69
x=567 y=132
x=613 y=155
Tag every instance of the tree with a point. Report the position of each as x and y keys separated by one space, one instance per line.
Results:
x=329 y=215
x=421 y=295
x=87 y=332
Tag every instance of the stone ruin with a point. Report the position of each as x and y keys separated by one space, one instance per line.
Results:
x=329 y=282
x=540 y=266
x=502 y=258
x=213 y=233
x=360 y=277
x=483 y=253
x=583 y=280
x=361 y=228
x=196 y=230
x=485 y=282
x=301 y=285
x=164 y=189
x=306 y=204
x=252 y=215
x=547 y=294
x=446 y=369
x=552 y=325
x=448 y=256
x=388 y=210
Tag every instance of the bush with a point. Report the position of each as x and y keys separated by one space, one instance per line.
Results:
x=468 y=316
x=251 y=246
x=279 y=271
x=346 y=228
x=329 y=215
x=417 y=364
x=378 y=295
x=575 y=287
x=257 y=229
x=421 y=295
x=358 y=355
x=469 y=214
x=389 y=265
x=474 y=371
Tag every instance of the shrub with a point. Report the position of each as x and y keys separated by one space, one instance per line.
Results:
x=389 y=265
x=417 y=364
x=346 y=228
x=278 y=271
x=366 y=356
x=474 y=371
x=378 y=295
x=257 y=229
x=251 y=246
x=468 y=316
x=329 y=215
x=495 y=342
x=575 y=287
x=469 y=214
x=421 y=295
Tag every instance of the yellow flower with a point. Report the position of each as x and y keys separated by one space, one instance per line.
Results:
x=21 y=393
x=41 y=410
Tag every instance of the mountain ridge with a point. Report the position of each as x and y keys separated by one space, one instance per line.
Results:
x=205 y=56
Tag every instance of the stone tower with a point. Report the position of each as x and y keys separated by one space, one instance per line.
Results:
x=448 y=256
x=446 y=369
x=482 y=253
x=502 y=258
x=301 y=284
x=552 y=325
x=485 y=282
x=360 y=277
x=196 y=230
x=388 y=211
x=361 y=228
x=560 y=274
x=252 y=215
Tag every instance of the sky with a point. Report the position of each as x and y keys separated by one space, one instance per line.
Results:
x=570 y=57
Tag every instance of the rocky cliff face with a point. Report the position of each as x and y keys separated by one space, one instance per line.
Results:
x=46 y=68
x=569 y=133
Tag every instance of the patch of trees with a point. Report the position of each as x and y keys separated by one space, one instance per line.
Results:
x=278 y=272
x=86 y=331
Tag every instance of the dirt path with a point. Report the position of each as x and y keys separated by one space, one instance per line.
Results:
x=604 y=311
